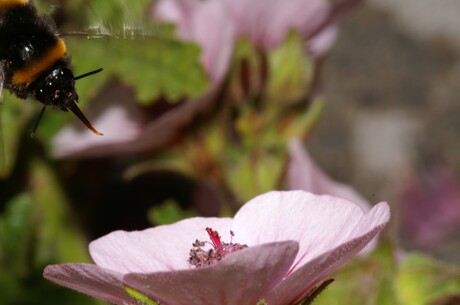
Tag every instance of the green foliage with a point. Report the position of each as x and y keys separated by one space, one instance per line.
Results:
x=168 y=212
x=14 y=117
x=423 y=281
x=291 y=70
x=141 y=298
x=144 y=54
x=58 y=238
x=380 y=280
x=153 y=67
x=21 y=264
x=243 y=146
x=254 y=172
x=312 y=295
x=16 y=235
x=363 y=281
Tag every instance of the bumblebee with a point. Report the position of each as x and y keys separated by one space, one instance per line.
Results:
x=34 y=60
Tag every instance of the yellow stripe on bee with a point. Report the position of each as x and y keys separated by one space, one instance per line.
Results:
x=30 y=73
x=5 y=4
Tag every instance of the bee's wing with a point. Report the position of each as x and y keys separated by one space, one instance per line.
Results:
x=92 y=33
x=122 y=19
x=143 y=29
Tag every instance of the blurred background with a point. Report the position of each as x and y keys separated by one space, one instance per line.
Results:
x=198 y=121
x=391 y=125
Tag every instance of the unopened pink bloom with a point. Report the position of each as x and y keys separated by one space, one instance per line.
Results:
x=295 y=239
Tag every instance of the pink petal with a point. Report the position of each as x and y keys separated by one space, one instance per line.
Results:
x=91 y=280
x=178 y=12
x=114 y=113
x=162 y=248
x=266 y=22
x=318 y=223
x=322 y=42
x=167 y=127
x=206 y=23
x=309 y=275
x=304 y=174
x=297 y=284
x=215 y=33
x=242 y=278
x=153 y=135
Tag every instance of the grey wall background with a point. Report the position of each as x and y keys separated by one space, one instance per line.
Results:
x=392 y=83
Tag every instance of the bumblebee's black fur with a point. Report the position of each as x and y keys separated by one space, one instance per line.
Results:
x=24 y=38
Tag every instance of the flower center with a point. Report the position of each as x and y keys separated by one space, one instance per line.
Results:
x=200 y=257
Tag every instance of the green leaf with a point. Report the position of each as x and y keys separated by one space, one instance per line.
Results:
x=59 y=239
x=154 y=68
x=253 y=173
x=422 y=280
x=152 y=59
x=291 y=70
x=140 y=297
x=312 y=295
x=21 y=278
x=168 y=212
x=15 y=115
x=16 y=235
x=299 y=124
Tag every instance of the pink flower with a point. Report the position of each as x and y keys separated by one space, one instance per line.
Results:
x=125 y=128
x=267 y=22
x=295 y=239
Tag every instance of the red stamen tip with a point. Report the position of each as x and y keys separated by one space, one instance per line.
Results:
x=215 y=238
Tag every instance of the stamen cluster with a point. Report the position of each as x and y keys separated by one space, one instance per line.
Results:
x=200 y=257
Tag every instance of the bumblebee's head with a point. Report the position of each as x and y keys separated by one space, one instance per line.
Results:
x=56 y=88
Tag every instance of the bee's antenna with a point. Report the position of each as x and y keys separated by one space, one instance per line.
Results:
x=88 y=74
x=74 y=108
x=40 y=116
